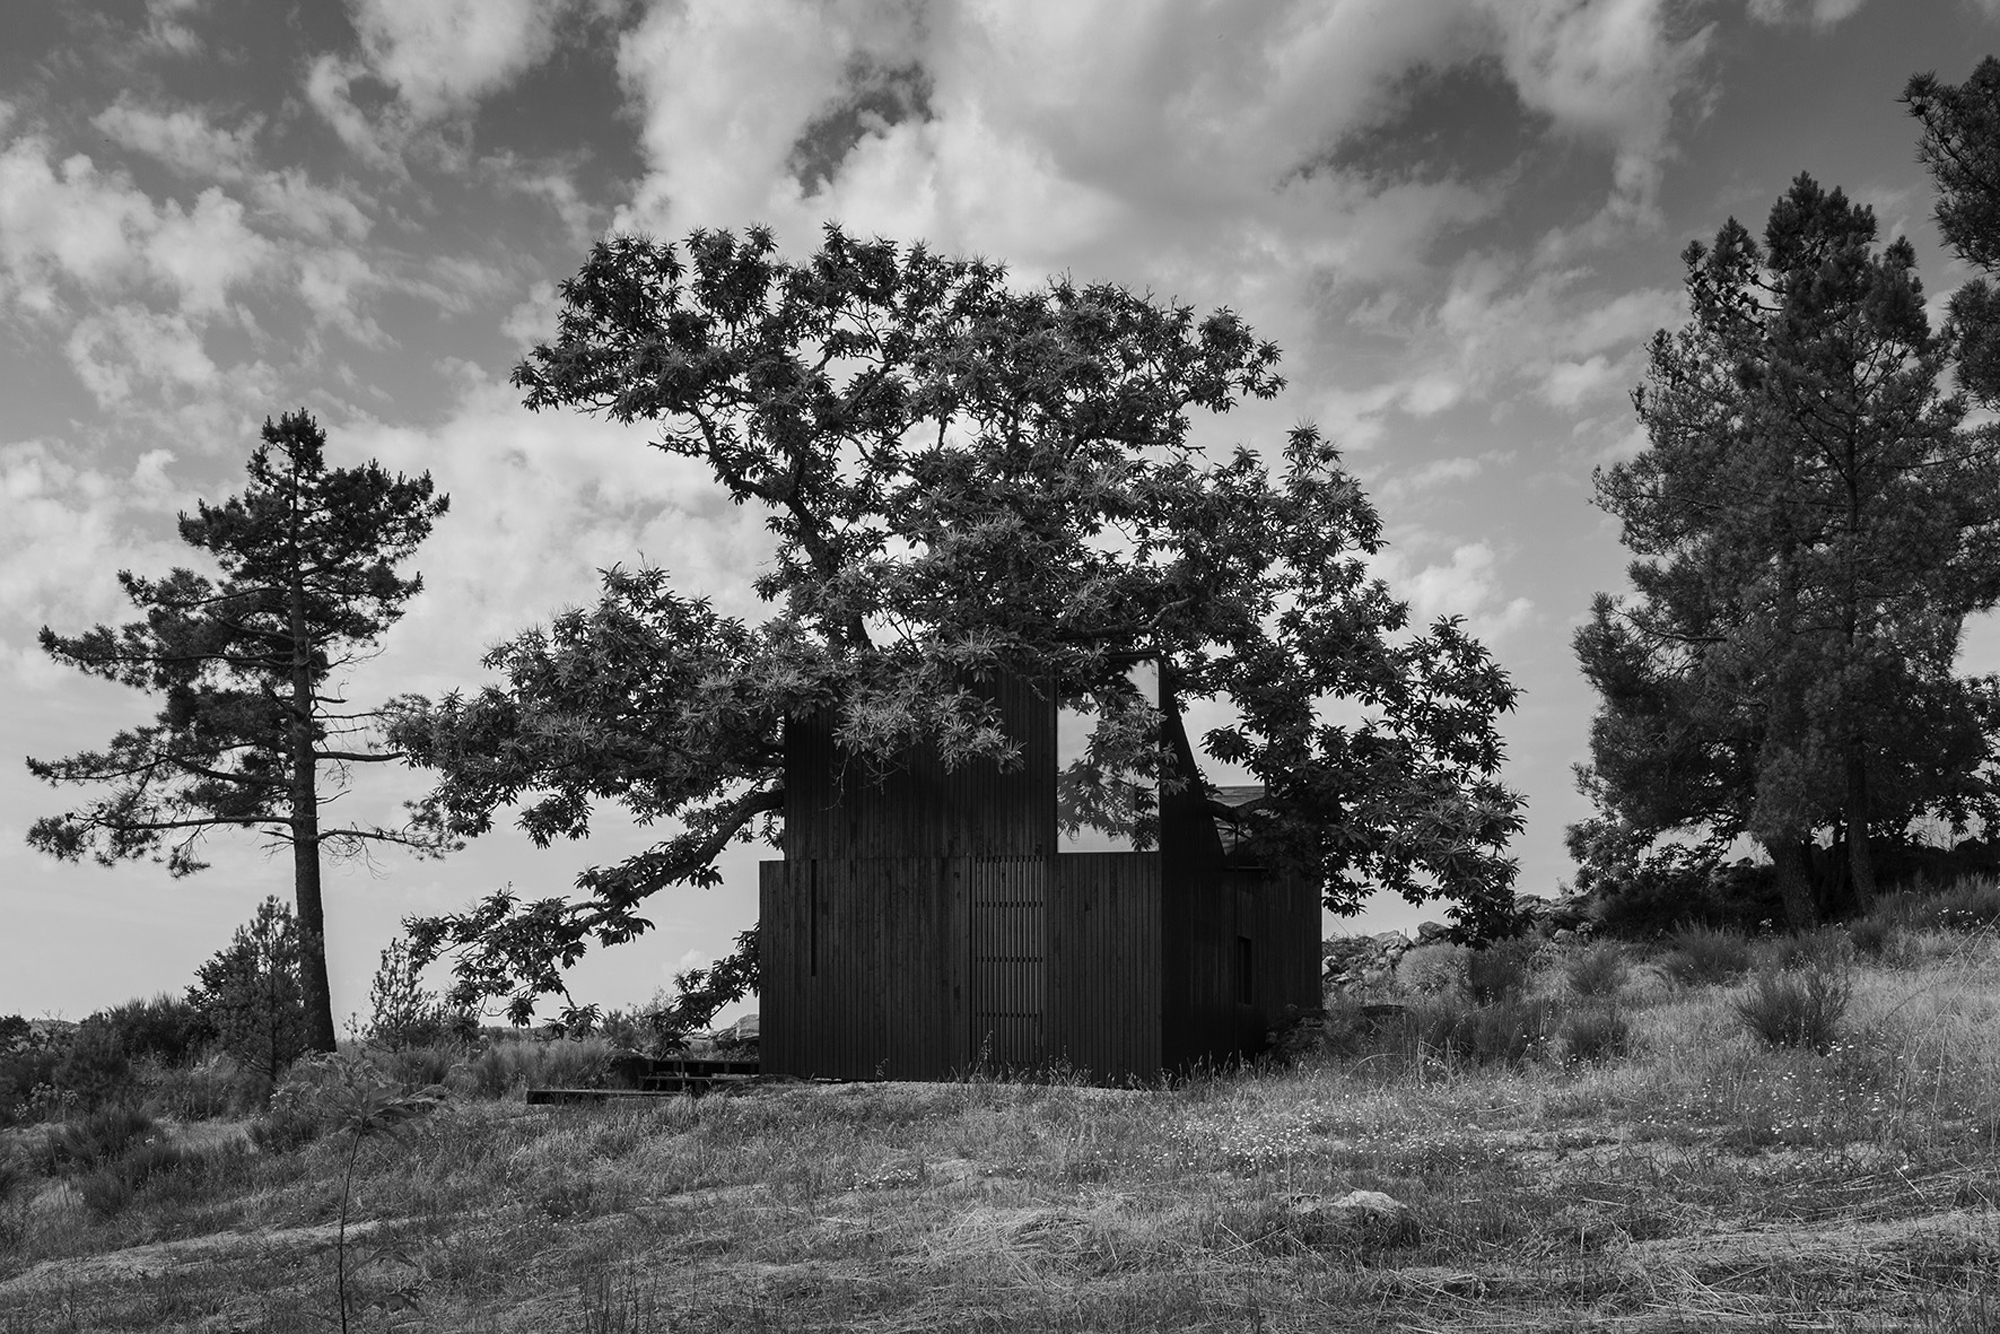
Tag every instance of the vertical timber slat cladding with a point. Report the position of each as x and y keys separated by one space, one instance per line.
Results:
x=1104 y=917
x=921 y=915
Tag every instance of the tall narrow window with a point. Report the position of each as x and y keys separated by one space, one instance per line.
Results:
x=1107 y=765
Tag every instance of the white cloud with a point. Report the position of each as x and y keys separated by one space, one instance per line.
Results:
x=1467 y=585
x=534 y=319
x=334 y=283
x=64 y=221
x=129 y=349
x=165 y=30
x=1821 y=14
x=443 y=56
x=316 y=212
x=64 y=529
x=69 y=222
x=1609 y=70
x=182 y=138
x=206 y=251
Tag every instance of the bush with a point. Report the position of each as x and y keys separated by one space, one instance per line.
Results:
x=1597 y=970
x=167 y=1028
x=27 y=1063
x=1800 y=1008
x=98 y=1136
x=1500 y=969
x=1703 y=955
x=1436 y=969
x=1596 y=1035
x=1872 y=935
x=109 y=1188
x=93 y=1067
x=1828 y=945
x=216 y=1087
x=513 y=1063
x=1504 y=1033
x=298 y=1110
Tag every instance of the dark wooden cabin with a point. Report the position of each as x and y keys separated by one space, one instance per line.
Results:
x=930 y=923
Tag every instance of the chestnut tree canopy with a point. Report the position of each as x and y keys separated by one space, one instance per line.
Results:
x=963 y=477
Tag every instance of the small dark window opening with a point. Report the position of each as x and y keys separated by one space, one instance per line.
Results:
x=1246 y=982
x=812 y=919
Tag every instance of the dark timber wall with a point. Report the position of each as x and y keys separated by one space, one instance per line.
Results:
x=925 y=923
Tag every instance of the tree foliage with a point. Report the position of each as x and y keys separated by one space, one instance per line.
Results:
x=1961 y=147
x=249 y=722
x=962 y=478
x=253 y=993
x=1812 y=525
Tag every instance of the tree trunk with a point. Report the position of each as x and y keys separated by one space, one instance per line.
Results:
x=305 y=835
x=1860 y=856
x=1793 y=864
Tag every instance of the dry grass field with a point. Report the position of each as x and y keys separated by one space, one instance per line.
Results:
x=1629 y=1155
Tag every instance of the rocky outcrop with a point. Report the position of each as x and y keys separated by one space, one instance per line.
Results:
x=1362 y=963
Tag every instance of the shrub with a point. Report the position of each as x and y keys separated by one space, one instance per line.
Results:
x=109 y=1188
x=1700 y=955
x=1596 y=1035
x=297 y=1112
x=513 y=1063
x=1500 y=969
x=1597 y=970
x=1799 y=1008
x=167 y=1028
x=1437 y=969
x=93 y=1066
x=1506 y=1032
x=27 y=1063
x=1970 y=905
x=1872 y=935
x=1806 y=949
x=252 y=994
x=215 y=1087
x=97 y=1136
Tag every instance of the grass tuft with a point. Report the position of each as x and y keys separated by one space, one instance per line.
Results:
x=1706 y=956
x=1801 y=1007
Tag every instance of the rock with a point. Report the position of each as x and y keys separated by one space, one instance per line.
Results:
x=1391 y=940
x=1430 y=931
x=1360 y=1215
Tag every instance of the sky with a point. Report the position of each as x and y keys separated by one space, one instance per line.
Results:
x=1459 y=219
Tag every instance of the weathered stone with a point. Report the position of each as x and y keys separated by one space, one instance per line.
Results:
x=1360 y=1215
x=1429 y=931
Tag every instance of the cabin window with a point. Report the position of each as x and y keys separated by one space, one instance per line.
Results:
x=1107 y=764
x=1246 y=981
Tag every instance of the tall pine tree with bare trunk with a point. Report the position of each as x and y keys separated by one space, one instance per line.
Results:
x=252 y=732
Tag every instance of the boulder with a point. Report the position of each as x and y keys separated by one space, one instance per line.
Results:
x=1358 y=1216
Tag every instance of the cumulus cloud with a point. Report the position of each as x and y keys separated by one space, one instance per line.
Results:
x=1465 y=584
x=65 y=526
x=129 y=349
x=442 y=56
x=68 y=222
x=180 y=137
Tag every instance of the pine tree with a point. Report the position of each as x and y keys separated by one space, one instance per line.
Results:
x=251 y=732
x=1809 y=519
